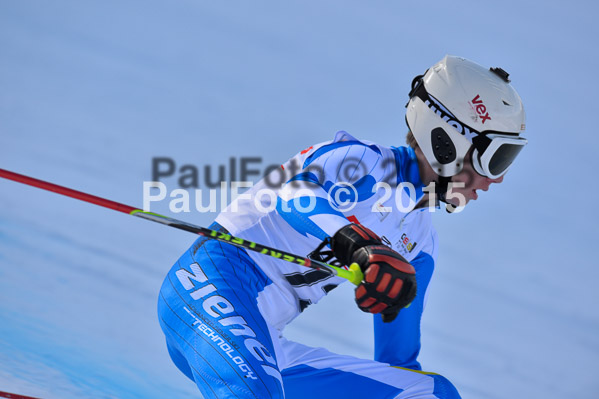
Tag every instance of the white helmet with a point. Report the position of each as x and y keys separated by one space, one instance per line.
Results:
x=458 y=104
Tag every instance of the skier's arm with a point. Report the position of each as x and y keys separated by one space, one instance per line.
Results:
x=398 y=342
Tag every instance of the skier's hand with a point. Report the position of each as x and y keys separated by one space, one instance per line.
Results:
x=389 y=282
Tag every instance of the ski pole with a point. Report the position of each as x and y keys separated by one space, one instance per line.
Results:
x=353 y=274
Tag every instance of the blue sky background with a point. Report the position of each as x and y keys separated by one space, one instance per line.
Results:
x=90 y=91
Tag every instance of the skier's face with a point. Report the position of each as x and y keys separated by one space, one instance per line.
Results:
x=472 y=182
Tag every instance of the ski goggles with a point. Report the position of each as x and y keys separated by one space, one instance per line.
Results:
x=493 y=152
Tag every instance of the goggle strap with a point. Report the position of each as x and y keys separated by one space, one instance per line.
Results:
x=416 y=83
x=481 y=142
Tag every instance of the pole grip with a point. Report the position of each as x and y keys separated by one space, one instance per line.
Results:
x=353 y=274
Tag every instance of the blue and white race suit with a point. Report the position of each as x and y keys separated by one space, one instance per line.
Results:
x=223 y=310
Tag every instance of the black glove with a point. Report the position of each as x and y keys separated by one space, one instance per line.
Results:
x=389 y=282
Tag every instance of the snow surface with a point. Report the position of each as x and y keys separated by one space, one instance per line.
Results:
x=91 y=91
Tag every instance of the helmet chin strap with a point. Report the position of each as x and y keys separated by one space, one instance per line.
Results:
x=441 y=191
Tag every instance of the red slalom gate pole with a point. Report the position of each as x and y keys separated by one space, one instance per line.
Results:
x=44 y=185
x=353 y=273
x=14 y=396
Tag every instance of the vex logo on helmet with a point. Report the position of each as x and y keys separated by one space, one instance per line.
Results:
x=480 y=108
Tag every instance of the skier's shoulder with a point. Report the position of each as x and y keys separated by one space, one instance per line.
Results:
x=348 y=144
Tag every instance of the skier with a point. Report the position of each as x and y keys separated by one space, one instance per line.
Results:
x=223 y=310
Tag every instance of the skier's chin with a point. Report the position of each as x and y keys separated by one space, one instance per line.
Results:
x=466 y=199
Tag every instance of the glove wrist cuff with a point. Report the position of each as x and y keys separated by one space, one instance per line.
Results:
x=347 y=240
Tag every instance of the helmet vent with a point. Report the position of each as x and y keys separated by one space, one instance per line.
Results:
x=443 y=147
x=506 y=103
